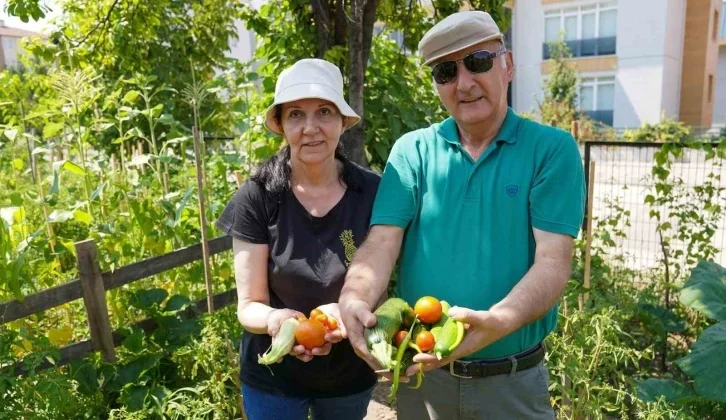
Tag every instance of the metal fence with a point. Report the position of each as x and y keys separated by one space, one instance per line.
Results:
x=622 y=181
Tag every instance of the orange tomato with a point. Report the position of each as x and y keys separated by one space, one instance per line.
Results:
x=400 y=336
x=332 y=323
x=425 y=341
x=322 y=318
x=315 y=312
x=310 y=334
x=428 y=309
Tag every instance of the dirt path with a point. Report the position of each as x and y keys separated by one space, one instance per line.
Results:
x=379 y=409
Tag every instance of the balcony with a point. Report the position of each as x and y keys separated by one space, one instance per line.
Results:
x=586 y=47
x=604 y=116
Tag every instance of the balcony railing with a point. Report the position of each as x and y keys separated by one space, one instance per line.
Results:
x=604 y=116
x=586 y=47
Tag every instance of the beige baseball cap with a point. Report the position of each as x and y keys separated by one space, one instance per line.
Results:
x=456 y=32
x=310 y=78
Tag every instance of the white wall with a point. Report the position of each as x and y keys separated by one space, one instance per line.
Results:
x=528 y=36
x=719 y=106
x=649 y=48
x=11 y=49
x=242 y=48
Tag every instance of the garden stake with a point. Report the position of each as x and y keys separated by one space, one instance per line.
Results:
x=203 y=219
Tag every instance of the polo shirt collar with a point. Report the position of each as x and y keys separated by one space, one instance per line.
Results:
x=508 y=133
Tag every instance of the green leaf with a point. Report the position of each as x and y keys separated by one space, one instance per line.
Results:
x=60 y=216
x=11 y=133
x=176 y=303
x=8 y=214
x=85 y=374
x=145 y=299
x=166 y=119
x=660 y=319
x=18 y=163
x=706 y=363
x=130 y=372
x=55 y=188
x=52 y=129
x=131 y=97
x=134 y=342
x=182 y=205
x=71 y=167
x=98 y=191
x=705 y=290
x=652 y=389
x=82 y=217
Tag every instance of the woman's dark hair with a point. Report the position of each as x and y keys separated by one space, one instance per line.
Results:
x=275 y=173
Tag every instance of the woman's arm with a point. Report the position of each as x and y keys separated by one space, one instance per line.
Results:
x=253 y=307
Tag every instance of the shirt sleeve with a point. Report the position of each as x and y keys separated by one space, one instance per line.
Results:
x=397 y=197
x=245 y=216
x=557 y=197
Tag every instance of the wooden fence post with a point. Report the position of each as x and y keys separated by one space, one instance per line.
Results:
x=94 y=297
x=588 y=237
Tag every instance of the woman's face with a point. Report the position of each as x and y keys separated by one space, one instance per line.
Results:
x=312 y=127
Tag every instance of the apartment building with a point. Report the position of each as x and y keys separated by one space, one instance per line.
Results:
x=10 y=48
x=638 y=60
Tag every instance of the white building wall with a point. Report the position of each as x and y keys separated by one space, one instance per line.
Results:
x=527 y=39
x=649 y=51
x=11 y=49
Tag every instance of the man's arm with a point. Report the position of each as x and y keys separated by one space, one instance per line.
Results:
x=531 y=298
x=543 y=284
x=366 y=282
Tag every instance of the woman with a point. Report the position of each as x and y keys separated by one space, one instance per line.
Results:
x=291 y=225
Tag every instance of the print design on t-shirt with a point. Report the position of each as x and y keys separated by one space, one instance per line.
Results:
x=346 y=238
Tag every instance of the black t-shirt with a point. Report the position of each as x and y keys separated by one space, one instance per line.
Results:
x=306 y=269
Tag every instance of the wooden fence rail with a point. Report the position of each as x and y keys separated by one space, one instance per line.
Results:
x=56 y=296
x=92 y=287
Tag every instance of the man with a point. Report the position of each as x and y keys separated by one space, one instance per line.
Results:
x=483 y=208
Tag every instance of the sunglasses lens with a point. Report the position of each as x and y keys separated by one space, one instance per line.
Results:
x=479 y=62
x=444 y=72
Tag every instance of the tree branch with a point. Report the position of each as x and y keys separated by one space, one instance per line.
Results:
x=102 y=22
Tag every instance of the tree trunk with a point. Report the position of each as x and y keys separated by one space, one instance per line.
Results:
x=362 y=18
x=321 y=14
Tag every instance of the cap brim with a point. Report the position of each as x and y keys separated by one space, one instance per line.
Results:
x=310 y=91
x=456 y=48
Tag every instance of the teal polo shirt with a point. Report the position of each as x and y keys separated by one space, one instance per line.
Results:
x=468 y=224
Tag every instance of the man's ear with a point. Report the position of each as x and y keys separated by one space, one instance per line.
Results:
x=509 y=65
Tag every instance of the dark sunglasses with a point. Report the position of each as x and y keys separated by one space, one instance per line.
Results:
x=476 y=62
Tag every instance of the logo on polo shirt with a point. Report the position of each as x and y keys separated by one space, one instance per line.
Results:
x=511 y=190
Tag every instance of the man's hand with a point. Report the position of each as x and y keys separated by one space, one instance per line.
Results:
x=484 y=328
x=357 y=316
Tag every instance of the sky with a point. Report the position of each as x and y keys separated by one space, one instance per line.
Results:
x=38 y=26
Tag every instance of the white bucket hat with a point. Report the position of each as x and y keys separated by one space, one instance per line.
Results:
x=310 y=78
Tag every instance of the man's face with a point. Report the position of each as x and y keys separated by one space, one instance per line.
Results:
x=475 y=97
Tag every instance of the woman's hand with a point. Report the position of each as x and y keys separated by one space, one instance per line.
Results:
x=332 y=336
x=278 y=316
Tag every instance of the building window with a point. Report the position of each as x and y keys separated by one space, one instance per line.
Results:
x=710 y=88
x=596 y=98
x=723 y=20
x=589 y=30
